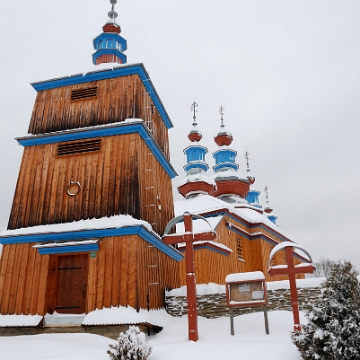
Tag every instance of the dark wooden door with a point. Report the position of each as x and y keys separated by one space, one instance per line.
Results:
x=72 y=274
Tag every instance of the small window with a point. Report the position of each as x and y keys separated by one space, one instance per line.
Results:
x=239 y=249
x=84 y=93
x=77 y=147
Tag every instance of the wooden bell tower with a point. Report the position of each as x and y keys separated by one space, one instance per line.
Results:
x=93 y=193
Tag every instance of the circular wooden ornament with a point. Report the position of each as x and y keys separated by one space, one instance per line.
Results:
x=73 y=188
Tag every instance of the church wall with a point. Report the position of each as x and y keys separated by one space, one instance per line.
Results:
x=157 y=204
x=214 y=267
x=23 y=277
x=111 y=182
x=116 y=100
x=127 y=270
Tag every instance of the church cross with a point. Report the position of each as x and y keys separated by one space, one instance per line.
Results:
x=222 y=113
x=189 y=237
x=247 y=157
x=291 y=271
x=194 y=105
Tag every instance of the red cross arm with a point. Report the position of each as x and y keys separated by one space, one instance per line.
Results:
x=174 y=239
x=287 y=271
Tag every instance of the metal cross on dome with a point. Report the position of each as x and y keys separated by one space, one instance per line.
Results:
x=266 y=191
x=193 y=108
x=222 y=113
x=247 y=157
x=113 y=14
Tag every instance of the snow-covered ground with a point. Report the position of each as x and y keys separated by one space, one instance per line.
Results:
x=215 y=342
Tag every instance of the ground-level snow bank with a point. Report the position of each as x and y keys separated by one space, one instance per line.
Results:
x=125 y=315
x=19 y=320
x=215 y=341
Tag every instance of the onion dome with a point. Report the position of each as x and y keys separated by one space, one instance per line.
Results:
x=110 y=45
x=223 y=137
x=228 y=180
x=196 y=182
x=195 y=134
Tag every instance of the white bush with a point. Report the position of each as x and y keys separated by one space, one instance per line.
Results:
x=131 y=345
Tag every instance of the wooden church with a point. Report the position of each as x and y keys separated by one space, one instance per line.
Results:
x=98 y=149
x=246 y=232
x=94 y=195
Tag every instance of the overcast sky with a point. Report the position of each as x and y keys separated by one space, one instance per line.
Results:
x=287 y=73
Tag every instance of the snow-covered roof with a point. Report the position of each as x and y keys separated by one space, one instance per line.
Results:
x=229 y=175
x=202 y=204
x=205 y=242
x=197 y=178
x=116 y=221
x=245 y=276
x=200 y=225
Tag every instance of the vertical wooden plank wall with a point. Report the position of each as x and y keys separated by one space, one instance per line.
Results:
x=120 y=274
x=213 y=267
x=23 y=279
x=117 y=99
x=113 y=180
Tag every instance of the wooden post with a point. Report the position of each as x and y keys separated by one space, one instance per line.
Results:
x=189 y=237
x=232 y=321
x=292 y=271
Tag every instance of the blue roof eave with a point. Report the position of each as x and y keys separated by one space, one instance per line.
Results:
x=98 y=131
x=135 y=69
x=141 y=231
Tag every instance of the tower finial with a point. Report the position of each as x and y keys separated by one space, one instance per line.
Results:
x=247 y=157
x=194 y=105
x=222 y=113
x=266 y=191
x=113 y=14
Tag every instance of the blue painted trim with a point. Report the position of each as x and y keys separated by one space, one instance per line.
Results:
x=101 y=132
x=110 y=51
x=68 y=249
x=225 y=165
x=196 y=165
x=249 y=225
x=113 y=36
x=95 y=233
x=110 y=74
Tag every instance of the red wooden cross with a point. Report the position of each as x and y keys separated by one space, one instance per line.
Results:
x=189 y=237
x=291 y=271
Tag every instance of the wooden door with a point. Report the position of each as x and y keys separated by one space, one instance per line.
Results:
x=72 y=274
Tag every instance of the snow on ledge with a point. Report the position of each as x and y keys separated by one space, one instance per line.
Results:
x=197 y=178
x=117 y=221
x=125 y=315
x=211 y=288
x=246 y=276
x=20 y=320
x=204 y=242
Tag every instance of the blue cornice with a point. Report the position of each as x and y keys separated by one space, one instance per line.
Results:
x=137 y=69
x=68 y=249
x=98 y=131
x=249 y=225
x=94 y=233
x=110 y=51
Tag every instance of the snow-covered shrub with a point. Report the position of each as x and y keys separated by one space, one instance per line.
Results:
x=333 y=328
x=131 y=345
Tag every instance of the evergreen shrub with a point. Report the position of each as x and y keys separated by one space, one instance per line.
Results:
x=333 y=328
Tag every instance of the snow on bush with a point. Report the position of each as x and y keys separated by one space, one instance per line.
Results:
x=333 y=328
x=131 y=345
